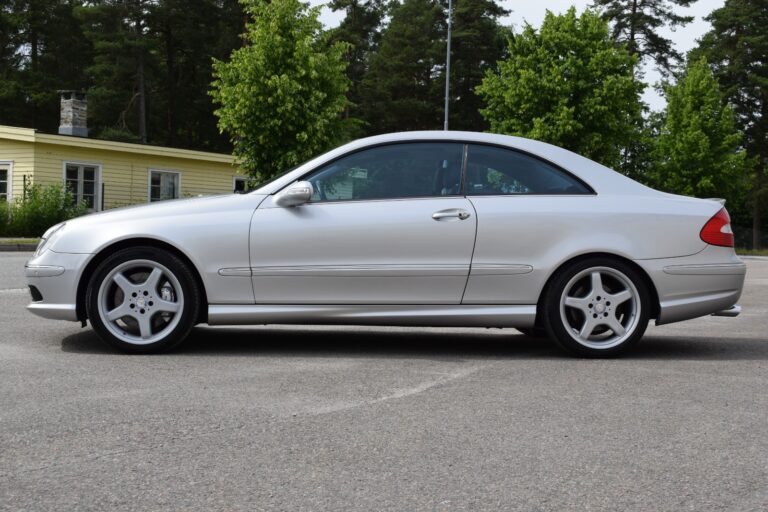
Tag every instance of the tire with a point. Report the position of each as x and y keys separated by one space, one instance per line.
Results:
x=143 y=300
x=533 y=332
x=597 y=307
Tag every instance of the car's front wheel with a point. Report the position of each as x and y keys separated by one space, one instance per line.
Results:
x=597 y=307
x=142 y=300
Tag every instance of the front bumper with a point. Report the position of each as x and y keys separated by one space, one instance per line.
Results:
x=55 y=276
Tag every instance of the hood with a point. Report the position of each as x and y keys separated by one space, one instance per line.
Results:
x=164 y=209
x=160 y=221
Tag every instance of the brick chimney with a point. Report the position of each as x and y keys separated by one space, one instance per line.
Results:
x=74 y=113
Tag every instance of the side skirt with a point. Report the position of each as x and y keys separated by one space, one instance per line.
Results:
x=400 y=315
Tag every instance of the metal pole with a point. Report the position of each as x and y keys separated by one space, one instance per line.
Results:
x=448 y=65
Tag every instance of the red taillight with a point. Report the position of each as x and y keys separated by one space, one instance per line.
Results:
x=717 y=231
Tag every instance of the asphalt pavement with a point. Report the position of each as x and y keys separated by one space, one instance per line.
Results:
x=368 y=419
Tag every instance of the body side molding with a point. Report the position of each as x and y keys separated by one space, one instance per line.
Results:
x=405 y=315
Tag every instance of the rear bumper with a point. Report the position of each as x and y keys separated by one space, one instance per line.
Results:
x=734 y=310
x=706 y=283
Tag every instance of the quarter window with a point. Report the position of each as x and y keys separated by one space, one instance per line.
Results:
x=4 y=185
x=496 y=171
x=391 y=172
x=81 y=180
x=163 y=185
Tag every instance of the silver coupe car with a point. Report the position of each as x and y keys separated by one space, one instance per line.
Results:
x=419 y=229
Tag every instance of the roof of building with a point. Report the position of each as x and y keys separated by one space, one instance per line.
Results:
x=32 y=135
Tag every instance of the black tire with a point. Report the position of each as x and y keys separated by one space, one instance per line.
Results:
x=189 y=306
x=562 y=325
x=533 y=332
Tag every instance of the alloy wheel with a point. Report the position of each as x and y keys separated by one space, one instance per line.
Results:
x=140 y=302
x=600 y=307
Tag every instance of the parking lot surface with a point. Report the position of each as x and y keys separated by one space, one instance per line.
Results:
x=343 y=418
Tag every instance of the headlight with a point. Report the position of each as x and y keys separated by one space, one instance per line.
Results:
x=48 y=237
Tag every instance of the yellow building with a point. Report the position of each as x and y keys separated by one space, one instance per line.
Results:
x=108 y=174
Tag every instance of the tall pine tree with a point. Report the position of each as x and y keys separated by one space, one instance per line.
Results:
x=637 y=23
x=402 y=89
x=478 y=42
x=737 y=48
x=360 y=30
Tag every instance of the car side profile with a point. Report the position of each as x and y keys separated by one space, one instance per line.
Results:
x=414 y=229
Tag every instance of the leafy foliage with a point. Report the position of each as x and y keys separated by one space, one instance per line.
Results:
x=39 y=208
x=280 y=98
x=567 y=84
x=698 y=151
x=737 y=49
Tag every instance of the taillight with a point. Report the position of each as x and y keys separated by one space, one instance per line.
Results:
x=717 y=231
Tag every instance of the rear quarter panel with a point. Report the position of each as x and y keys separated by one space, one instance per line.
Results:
x=546 y=231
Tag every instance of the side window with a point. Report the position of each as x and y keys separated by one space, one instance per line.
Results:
x=240 y=185
x=82 y=182
x=498 y=171
x=420 y=169
x=4 y=185
x=163 y=185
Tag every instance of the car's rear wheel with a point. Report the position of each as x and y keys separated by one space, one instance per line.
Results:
x=143 y=300
x=597 y=307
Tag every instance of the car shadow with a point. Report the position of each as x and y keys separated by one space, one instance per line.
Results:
x=368 y=342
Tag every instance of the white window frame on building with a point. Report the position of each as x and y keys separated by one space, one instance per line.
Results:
x=244 y=181
x=163 y=172
x=7 y=165
x=79 y=191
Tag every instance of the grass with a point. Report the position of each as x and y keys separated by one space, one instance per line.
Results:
x=752 y=252
x=17 y=241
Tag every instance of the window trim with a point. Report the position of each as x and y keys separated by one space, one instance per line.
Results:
x=97 y=199
x=374 y=146
x=465 y=160
x=149 y=184
x=9 y=189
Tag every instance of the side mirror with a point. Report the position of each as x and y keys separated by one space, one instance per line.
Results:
x=295 y=194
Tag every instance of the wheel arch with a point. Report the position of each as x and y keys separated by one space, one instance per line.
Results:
x=655 y=303
x=108 y=250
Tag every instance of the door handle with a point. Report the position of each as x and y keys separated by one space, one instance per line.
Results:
x=453 y=213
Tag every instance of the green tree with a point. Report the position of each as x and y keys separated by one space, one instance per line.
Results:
x=124 y=65
x=737 y=49
x=567 y=84
x=360 y=30
x=477 y=44
x=698 y=150
x=402 y=89
x=42 y=49
x=281 y=97
x=190 y=34
x=637 y=24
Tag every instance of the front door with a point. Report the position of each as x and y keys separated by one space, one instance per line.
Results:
x=386 y=225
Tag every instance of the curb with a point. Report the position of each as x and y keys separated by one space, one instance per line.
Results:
x=18 y=247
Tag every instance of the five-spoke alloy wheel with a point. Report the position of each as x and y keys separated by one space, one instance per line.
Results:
x=597 y=307
x=143 y=300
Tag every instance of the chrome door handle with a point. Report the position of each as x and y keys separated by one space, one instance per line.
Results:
x=453 y=213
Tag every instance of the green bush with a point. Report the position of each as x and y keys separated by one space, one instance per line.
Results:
x=4 y=217
x=40 y=208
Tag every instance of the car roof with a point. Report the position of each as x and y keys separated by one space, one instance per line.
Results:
x=600 y=178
